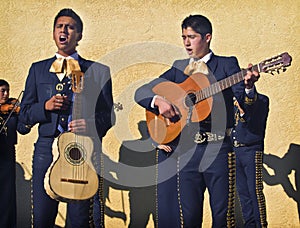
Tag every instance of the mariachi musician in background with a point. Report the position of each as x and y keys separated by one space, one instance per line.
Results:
x=9 y=125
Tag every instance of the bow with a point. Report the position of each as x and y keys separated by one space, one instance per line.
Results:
x=62 y=65
x=196 y=67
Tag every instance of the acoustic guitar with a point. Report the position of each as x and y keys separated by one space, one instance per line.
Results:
x=193 y=98
x=72 y=176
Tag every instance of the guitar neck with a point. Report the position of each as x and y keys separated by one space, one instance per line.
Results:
x=223 y=84
x=77 y=107
x=77 y=88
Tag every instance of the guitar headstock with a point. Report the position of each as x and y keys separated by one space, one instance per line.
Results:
x=77 y=81
x=276 y=63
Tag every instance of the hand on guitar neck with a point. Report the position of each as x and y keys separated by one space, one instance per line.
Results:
x=77 y=126
x=251 y=77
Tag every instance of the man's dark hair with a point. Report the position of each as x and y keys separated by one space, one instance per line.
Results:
x=198 y=23
x=3 y=83
x=70 y=13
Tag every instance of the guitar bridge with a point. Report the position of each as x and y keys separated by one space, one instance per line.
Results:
x=74 y=181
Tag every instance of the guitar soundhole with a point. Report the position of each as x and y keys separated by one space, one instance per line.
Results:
x=190 y=100
x=75 y=154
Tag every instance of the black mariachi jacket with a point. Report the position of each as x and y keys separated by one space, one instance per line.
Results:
x=251 y=126
x=97 y=100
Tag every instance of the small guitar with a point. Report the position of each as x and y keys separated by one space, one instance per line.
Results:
x=72 y=175
x=193 y=98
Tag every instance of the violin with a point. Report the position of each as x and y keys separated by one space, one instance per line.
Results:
x=11 y=106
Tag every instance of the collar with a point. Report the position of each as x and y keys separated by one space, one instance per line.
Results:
x=73 y=56
x=205 y=58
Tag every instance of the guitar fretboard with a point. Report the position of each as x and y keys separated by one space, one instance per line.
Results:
x=77 y=106
x=223 y=84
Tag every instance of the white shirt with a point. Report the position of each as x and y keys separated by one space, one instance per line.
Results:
x=205 y=58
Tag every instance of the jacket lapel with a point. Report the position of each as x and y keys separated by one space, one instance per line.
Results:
x=212 y=63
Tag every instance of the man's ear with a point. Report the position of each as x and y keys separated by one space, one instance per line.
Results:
x=208 y=37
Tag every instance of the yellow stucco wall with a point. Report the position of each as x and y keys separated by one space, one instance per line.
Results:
x=139 y=39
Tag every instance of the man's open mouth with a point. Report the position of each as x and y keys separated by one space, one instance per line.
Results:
x=62 y=39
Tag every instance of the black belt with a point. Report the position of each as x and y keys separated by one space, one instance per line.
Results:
x=205 y=136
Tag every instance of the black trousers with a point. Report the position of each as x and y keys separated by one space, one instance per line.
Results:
x=183 y=178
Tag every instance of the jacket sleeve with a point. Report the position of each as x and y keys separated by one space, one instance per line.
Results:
x=22 y=128
x=252 y=125
x=32 y=107
x=256 y=112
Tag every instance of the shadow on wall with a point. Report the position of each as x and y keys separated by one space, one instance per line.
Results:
x=138 y=153
x=282 y=169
